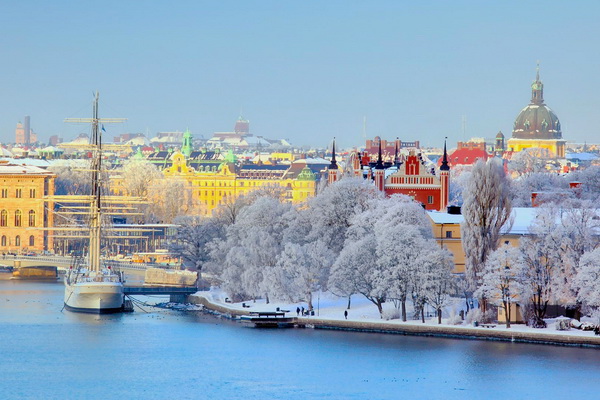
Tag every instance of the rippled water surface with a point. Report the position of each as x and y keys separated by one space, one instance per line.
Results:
x=163 y=354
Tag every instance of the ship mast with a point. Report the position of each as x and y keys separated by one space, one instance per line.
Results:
x=95 y=147
x=96 y=206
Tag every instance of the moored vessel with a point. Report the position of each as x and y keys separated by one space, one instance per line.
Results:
x=91 y=287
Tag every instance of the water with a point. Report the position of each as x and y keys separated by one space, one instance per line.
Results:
x=164 y=354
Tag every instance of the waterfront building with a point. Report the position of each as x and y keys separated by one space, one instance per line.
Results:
x=537 y=126
x=24 y=214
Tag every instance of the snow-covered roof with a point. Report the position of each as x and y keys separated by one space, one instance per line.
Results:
x=10 y=168
x=445 y=218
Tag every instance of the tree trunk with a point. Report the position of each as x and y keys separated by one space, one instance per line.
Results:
x=467 y=302
x=507 y=313
x=349 y=297
x=404 y=309
x=380 y=308
x=439 y=314
x=310 y=305
x=423 y=314
x=267 y=297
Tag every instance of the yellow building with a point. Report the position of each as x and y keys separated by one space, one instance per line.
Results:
x=23 y=211
x=537 y=126
x=215 y=183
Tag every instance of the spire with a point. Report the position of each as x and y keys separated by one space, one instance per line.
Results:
x=537 y=88
x=379 y=164
x=445 y=166
x=333 y=164
x=396 y=159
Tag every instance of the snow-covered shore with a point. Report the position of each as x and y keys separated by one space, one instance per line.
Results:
x=363 y=316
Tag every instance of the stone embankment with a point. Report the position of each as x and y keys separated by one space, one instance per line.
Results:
x=459 y=332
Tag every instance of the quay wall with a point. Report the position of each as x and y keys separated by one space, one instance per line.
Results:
x=458 y=332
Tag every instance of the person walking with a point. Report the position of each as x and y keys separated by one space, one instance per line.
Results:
x=345 y=314
x=297 y=311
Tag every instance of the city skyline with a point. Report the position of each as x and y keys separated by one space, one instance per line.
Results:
x=302 y=72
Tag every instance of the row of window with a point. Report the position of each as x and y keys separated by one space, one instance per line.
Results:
x=18 y=193
x=17 y=242
x=18 y=221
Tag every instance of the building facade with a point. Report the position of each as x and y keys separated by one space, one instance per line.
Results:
x=24 y=213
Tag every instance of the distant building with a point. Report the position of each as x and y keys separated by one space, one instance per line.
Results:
x=54 y=140
x=537 y=126
x=23 y=133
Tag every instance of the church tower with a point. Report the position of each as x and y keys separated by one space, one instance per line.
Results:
x=445 y=180
x=379 y=171
x=333 y=170
x=187 y=147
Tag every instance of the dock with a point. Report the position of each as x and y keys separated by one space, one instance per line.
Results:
x=176 y=294
x=269 y=319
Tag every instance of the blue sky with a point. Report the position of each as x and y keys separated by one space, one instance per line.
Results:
x=303 y=70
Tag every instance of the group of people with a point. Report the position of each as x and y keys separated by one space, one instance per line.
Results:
x=306 y=313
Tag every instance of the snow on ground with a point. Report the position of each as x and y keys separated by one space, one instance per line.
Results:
x=328 y=306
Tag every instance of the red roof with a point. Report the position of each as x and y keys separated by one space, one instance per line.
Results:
x=465 y=157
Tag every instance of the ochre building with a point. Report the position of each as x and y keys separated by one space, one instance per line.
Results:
x=24 y=214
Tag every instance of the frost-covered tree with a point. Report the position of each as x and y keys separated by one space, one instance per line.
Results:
x=530 y=161
x=587 y=279
x=501 y=283
x=72 y=177
x=549 y=186
x=396 y=229
x=541 y=253
x=139 y=176
x=486 y=209
x=437 y=265
x=303 y=270
x=169 y=199
x=332 y=210
x=246 y=261
x=354 y=268
x=193 y=237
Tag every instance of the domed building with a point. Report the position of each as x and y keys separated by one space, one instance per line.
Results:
x=537 y=125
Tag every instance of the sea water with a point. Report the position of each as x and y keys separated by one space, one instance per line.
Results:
x=50 y=353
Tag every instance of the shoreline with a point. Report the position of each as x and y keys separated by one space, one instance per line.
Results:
x=444 y=331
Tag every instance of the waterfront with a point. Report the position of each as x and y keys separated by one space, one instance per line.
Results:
x=162 y=354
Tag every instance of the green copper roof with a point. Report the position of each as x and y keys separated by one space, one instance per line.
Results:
x=306 y=175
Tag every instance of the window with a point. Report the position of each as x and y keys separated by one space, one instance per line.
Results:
x=17 y=240
x=3 y=242
x=448 y=234
x=3 y=217
x=31 y=218
x=4 y=193
x=18 y=218
x=32 y=193
x=429 y=199
x=31 y=240
x=18 y=193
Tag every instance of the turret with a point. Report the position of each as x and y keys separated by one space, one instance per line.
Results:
x=333 y=170
x=379 y=171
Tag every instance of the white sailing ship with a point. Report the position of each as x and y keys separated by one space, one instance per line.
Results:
x=91 y=287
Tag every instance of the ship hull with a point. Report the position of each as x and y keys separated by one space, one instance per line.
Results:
x=94 y=297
